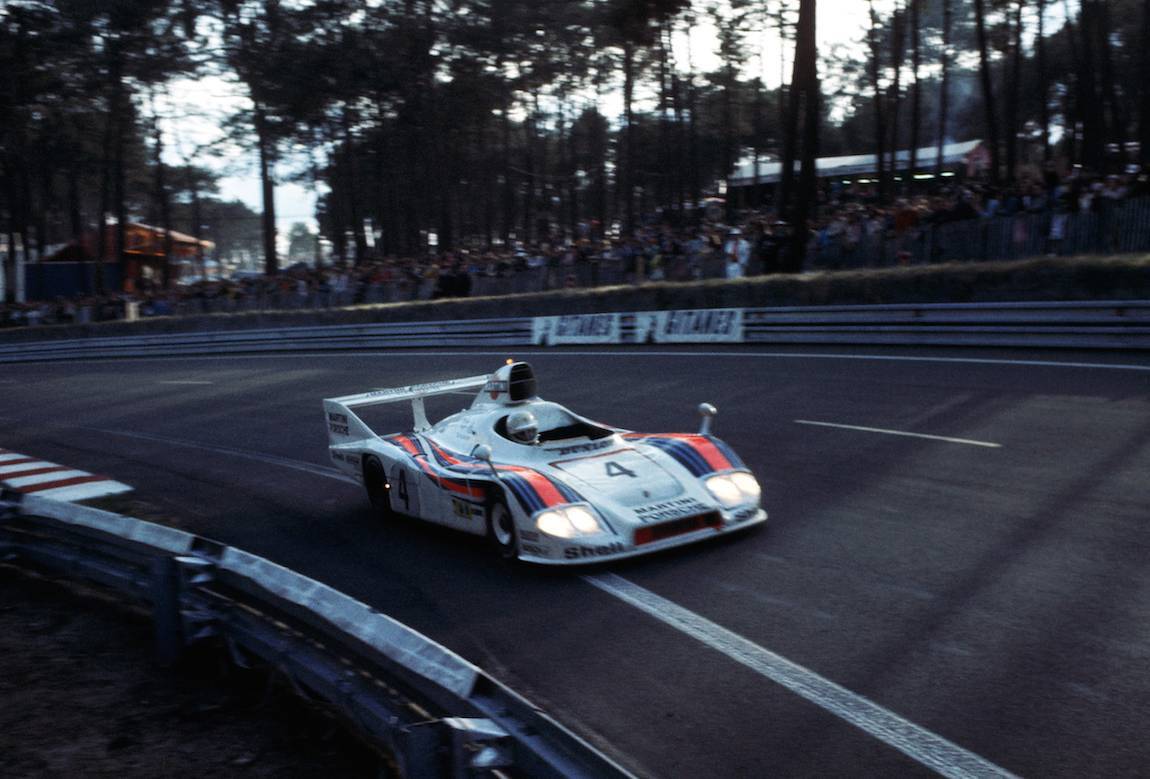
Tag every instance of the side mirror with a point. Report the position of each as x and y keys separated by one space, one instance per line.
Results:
x=483 y=452
x=707 y=412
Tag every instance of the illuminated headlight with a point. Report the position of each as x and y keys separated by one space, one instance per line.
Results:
x=734 y=489
x=568 y=522
x=747 y=484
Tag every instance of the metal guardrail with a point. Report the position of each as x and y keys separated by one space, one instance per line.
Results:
x=1075 y=325
x=1082 y=325
x=436 y=713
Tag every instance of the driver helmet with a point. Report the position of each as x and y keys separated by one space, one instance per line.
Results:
x=523 y=427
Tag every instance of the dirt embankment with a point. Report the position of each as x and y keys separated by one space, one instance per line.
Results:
x=80 y=695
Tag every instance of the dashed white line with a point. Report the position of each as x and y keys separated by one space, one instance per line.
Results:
x=921 y=745
x=884 y=431
x=186 y=381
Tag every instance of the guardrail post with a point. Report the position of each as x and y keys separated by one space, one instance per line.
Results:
x=169 y=631
x=178 y=620
x=9 y=509
x=456 y=747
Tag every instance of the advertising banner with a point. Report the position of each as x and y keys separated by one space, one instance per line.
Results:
x=577 y=329
x=711 y=325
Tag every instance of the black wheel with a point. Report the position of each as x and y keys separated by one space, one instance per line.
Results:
x=378 y=490
x=501 y=530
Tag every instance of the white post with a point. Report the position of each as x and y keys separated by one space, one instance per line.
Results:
x=5 y=260
x=21 y=258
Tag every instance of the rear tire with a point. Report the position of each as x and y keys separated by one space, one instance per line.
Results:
x=501 y=530
x=378 y=490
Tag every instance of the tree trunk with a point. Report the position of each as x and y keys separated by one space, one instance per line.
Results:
x=119 y=174
x=1144 y=82
x=628 y=168
x=693 y=177
x=1089 y=104
x=508 y=188
x=1015 y=95
x=916 y=88
x=944 y=88
x=898 y=43
x=1117 y=134
x=268 y=189
x=105 y=201
x=351 y=164
x=1043 y=81
x=879 y=108
x=988 y=106
x=807 y=80
x=163 y=202
x=728 y=136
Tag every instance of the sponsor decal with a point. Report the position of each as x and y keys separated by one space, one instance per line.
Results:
x=669 y=509
x=563 y=451
x=337 y=423
x=460 y=509
x=577 y=329
x=495 y=388
x=582 y=552
x=535 y=550
x=350 y=459
x=712 y=325
x=412 y=389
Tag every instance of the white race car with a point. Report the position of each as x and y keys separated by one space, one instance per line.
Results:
x=544 y=484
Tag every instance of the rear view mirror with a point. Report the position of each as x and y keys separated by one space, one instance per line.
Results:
x=707 y=412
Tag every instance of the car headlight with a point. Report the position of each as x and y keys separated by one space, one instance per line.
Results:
x=568 y=522
x=747 y=484
x=734 y=489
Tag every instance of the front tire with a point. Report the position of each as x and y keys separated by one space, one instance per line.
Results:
x=501 y=530
x=378 y=490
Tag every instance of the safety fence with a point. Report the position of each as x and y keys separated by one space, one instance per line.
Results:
x=1086 y=325
x=1114 y=227
x=435 y=713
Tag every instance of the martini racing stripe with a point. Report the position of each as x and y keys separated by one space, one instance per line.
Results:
x=534 y=491
x=460 y=487
x=699 y=454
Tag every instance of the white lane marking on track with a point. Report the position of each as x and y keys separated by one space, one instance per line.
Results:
x=900 y=432
x=12 y=456
x=298 y=465
x=78 y=492
x=923 y=746
x=927 y=748
x=615 y=353
x=4 y=469
x=44 y=478
x=185 y=381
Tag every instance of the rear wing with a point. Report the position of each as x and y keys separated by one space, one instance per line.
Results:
x=343 y=426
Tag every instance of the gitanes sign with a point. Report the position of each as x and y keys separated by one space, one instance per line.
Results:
x=710 y=325
x=578 y=329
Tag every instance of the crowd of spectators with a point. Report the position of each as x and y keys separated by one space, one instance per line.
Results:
x=851 y=214
x=755 y=243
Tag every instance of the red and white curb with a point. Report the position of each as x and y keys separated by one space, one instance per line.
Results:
x=34 y=476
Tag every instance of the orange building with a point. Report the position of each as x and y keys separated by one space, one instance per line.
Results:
x=143 y=252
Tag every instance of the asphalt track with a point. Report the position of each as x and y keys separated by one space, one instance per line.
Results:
x=994 y=601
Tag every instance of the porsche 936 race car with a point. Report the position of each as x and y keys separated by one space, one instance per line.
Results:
x=544 y=484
